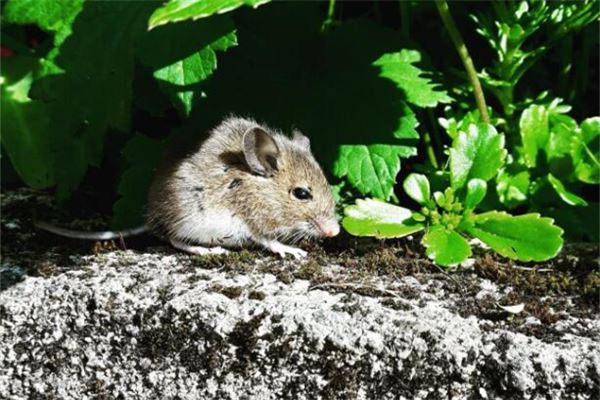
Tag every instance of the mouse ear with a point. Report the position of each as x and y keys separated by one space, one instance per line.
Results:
x=302 y=140
x=260 y=151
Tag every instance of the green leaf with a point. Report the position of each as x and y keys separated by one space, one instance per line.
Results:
x=407 y=124
x=477 y=153
x=142 y=155
x=93 y=94
x=568 y=197
x=586 y=151
x=370 y=217
x=180 y=65
x=371 y=169
x=418 y=90
x=25 y=123
x=417 y=187
x=526 y=237
x=476 y=190
x=512 y=185
x=49 y=15
x=446 y=247
x=181 y=10
x=193 y=69
x=534 y=132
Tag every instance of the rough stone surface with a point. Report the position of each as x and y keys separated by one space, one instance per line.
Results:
x=154 y=324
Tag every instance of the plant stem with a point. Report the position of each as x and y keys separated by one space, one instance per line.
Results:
x=330 y=15
x=461 y=48
x=429 y=147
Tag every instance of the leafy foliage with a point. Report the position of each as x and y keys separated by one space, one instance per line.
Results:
x=104 y=86
x=448 y=215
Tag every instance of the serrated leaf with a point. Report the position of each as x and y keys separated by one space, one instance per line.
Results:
x=417 y=188
x=181 y=10
x=476 y=190
x=446 y=247
x=370 y=217
x=407 y=124
x=477 y=153
x=94 y=93
x=192 y=70
x=570 y=198
x=586 y=151
x=142 y=154
x=418 y=90
x=527 y=237
x=180 y=65
x=49 y=15
x=534 y=132
x=371 y=169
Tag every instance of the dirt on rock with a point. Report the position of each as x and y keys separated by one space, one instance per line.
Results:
x=358 y=318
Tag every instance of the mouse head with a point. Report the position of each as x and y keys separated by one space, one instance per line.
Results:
x=297 y=197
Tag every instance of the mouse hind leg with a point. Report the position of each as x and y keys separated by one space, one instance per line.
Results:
x=199 y=250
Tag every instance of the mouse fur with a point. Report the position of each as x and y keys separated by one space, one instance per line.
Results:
x=244 y=185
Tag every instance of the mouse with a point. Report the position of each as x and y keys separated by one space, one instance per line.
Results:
x=244 y=185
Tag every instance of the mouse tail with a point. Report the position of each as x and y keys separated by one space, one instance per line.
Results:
x=96 y=235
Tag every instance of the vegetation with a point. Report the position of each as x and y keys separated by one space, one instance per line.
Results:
x=485 y=112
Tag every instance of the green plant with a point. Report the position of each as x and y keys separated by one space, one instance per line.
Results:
x=448 y=216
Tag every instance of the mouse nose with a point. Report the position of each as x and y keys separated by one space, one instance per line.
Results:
x=330 y=227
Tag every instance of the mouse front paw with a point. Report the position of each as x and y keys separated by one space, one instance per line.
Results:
x=282 y=250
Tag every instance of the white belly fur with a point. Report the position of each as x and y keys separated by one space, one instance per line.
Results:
x=213 y=228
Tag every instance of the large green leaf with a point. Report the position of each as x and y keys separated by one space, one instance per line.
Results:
x=181 y=10
x=586 y=151
x=93 y=94
x=142 y=155
x=477 y=153
x=446 y=247
x=534 y=132
x=568 y=197
x=371 y=169
x=370 y=217
x=49 y=15
x=24 y=124
x=417 y=89
x=526 y=237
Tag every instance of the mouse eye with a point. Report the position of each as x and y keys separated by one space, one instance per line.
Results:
x=301 y=193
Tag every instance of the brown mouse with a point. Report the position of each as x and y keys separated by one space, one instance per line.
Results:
x=246 y=185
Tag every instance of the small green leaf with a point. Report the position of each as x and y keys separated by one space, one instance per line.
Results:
x=476 y=190
x=419 y=90
x=417 y=187
x=371 y=169
x=192 y=70
x=477 y=153
x=534 y=132
x=566 y=196
x=586 y=151
x=446 y=247
x=527 y=237
x=181 y=10
x=370 y=217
